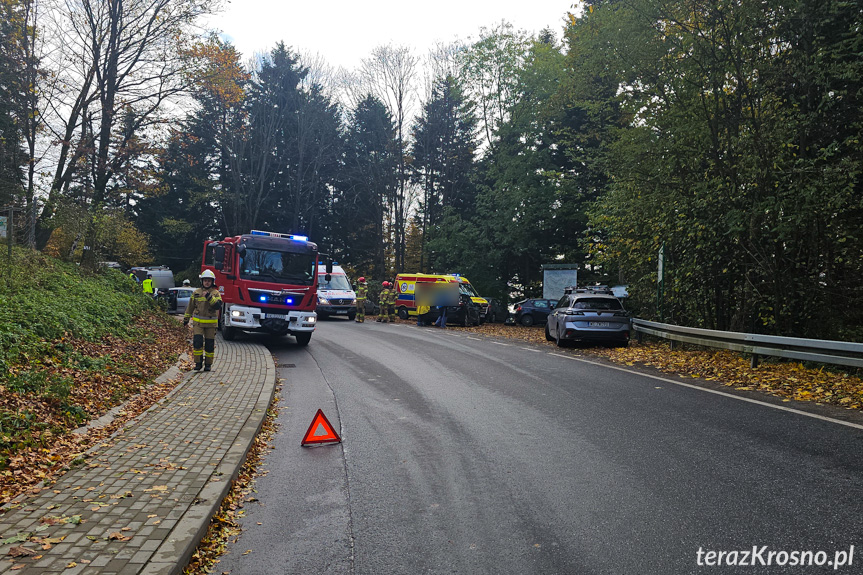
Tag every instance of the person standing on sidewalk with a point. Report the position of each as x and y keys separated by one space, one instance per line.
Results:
x=362 y=293
x=203 y=311
x=383 y=298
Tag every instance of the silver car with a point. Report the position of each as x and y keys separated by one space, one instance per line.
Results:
x=588 y=316
x=179 y=303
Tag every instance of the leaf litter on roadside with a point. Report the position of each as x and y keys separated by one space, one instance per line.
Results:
x=789 y=380
x=224 y=524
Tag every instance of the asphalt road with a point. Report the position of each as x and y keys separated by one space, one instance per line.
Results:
x=472 y=455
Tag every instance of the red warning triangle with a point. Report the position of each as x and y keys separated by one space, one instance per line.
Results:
x=320 y=431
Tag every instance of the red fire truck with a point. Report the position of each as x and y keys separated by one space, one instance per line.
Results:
x=268 y=283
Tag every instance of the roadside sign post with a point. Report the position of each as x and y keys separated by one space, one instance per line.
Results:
x=660 y=283
x=8 y=231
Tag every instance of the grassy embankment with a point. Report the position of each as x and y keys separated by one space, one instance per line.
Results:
x=73 y=344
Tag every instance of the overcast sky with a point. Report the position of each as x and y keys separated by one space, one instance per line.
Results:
x=344 y=32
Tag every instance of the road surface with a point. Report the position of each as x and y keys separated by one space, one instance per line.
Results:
x=464 y=454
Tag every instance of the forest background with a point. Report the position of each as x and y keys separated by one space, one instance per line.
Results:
x=724 y=132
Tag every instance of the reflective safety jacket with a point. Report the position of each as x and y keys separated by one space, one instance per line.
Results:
x=384 y=297
x=148 y=285
x=362 y=291
x=202 y=311
x=392 y=296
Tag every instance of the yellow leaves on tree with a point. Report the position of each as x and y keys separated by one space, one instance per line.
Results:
x=116 y=238
x=216 y=69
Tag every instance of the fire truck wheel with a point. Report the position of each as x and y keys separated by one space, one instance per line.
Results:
x=403 y=312
x=229 y=333
x=303 y=338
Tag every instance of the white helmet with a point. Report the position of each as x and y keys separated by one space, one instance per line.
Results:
x=186 y=282
x=207 y=274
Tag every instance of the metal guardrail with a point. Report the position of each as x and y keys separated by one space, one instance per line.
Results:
x=817 y=350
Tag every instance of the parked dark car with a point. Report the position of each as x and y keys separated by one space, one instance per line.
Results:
x=588 y=316
x=371 y=307
x=465 y=314
x=496 y=311
x=533 y=311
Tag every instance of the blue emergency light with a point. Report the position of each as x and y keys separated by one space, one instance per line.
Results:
x=289 y=301
x=278 y=235
x=263 y=298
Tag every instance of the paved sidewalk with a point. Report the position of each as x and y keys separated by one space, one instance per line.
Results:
x=143 y=499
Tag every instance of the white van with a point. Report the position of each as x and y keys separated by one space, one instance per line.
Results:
x=336 y=296
x=163 y=277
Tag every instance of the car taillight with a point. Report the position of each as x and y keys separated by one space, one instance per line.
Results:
x=518 y=308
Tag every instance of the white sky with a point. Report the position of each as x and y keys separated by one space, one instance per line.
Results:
x=344 y=32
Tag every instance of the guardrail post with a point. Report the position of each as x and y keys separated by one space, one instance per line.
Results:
x=673 y=344
x=753 y=361
x=639 y=336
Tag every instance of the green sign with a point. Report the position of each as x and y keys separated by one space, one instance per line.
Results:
x=2 y=226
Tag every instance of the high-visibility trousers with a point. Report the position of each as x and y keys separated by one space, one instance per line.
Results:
x=204 y=340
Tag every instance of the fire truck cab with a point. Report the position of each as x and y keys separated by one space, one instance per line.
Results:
x=268 y=283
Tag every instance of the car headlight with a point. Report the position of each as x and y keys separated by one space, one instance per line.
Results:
x=353 y=302
x=323 y=300
x=311 y=319
x=235 y=313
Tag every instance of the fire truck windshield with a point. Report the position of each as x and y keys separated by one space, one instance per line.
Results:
x=278 y=267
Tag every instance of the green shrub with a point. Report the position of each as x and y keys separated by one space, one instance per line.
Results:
x=48 y=300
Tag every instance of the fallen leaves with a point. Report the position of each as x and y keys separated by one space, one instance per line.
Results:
x=224 y=524
x=44 y=453
x=61 y=520
x=21 y=551
x=117 y=536
x=786 y=379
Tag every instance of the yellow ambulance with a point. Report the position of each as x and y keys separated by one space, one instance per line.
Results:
x=406 y=285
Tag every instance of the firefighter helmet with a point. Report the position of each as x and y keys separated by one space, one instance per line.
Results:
x=207 y=274
x=362 y=280
x=186 y=282
x=385 y=284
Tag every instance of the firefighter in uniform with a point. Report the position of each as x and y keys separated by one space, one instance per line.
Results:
x=362 y=293
x=383 y=300
x=203 y=311
x=391 y=302
x=148 y=284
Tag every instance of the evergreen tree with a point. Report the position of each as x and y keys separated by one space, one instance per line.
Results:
x=196 y=167
x=12 y=104
x=444 y=148
x=368 y=179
